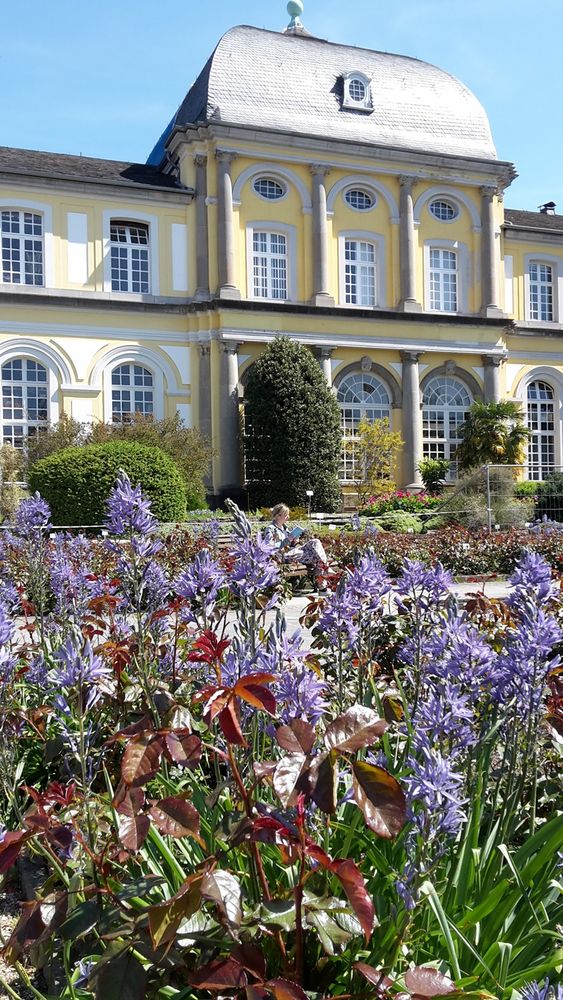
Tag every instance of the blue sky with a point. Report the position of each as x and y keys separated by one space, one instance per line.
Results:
x=104 y=78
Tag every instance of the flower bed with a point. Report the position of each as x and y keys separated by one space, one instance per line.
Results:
x=369 y=808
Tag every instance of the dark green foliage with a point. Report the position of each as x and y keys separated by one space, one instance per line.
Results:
x=185 y=445
x=399 y=520
x=433 y=472
x=293 y=437
x=76 y=482
x=549 y=497
x=493 y=433
x=525 y=489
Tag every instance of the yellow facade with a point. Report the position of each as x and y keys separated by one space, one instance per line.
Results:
x=397 y=266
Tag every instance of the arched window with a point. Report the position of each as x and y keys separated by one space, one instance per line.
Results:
x=446 y=402
x=541 y=424
x=25 y=400
x=129 y=242
x=22 y=247
x=132 y=391
x=360 y=395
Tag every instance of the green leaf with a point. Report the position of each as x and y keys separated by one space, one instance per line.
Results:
x=83 y=918
x=428 y=890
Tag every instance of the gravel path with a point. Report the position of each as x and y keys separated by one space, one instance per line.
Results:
x=9 y=914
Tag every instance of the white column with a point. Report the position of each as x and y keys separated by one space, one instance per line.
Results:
x=407 y=248
x=489 y=263
x=230 y=419
x=321 y=290
x=412 y=417
x=325 y=354
x=226 y=228
x=202 y=236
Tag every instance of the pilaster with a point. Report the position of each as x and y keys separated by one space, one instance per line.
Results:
x=321 y=289
x=226 y=229
x=202 y=235
x=408 y=301
x=489 y=263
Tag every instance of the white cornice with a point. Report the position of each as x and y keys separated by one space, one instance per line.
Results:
x=101 y=332
x=344 y=340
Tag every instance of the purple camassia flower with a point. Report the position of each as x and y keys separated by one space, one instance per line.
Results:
x=426 y=585
x=238 y=661
x=156 y=586
x=545 y=991
x=69 y=568
x=435 y=787
x=202 y=580
x=37 y=672
x=129 y=511
x=368 y=582
x=337 y=622
x=299 y=694
x=281 y=651
x=254 y=568
x=444 y=715
x=84 y=969
x=532 y=578
x=7 y=660
x=32 y=516
x=80 y=669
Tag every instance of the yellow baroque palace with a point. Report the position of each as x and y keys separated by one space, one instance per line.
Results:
x=348 y=198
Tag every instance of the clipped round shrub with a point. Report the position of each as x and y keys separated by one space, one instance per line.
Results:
x=77 y=482
x=399 y=520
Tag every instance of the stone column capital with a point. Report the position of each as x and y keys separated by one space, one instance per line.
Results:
x=225 y=156
x=325 y=352
x=231 y=346
x=204 y=350
x=492 y=360
x=410 y=357
x=319 y=169
x=406 y=181
x=488 y=191
x=200 y=160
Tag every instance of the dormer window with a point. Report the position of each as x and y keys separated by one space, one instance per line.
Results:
x=357 y=92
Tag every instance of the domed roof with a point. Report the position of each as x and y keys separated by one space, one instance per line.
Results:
x=293 y=83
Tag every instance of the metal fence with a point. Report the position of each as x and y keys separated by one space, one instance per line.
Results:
x=505 y=496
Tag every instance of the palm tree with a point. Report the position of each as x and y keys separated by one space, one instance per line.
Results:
x=493 y=433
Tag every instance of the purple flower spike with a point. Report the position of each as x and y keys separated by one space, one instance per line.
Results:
x=129 y=511
x=201 y=581
x=79 y=669
x=32 y=516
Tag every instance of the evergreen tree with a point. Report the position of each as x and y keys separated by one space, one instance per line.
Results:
x=292 y=422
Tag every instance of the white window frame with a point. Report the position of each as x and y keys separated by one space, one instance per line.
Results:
x=363 y=407
x=556 y=265
x=274 y=179
x=538 y=467
x=448 y=201
x=164 y=381
x=462 y=272
x=380 y=270
x=448 y=442
x=131 y=388
x=57 y=372
x=46 y=211
x=364 y=190
x=126 y=214
x=366 y=103
x=291 y=257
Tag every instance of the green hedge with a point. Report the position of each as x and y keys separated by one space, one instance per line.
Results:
x=77 y=482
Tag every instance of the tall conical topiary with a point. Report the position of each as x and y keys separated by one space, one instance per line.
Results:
x=292 y=426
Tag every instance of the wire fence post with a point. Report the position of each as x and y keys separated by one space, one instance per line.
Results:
x=489 y=501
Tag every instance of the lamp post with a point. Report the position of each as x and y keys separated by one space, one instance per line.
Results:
x=309 y=495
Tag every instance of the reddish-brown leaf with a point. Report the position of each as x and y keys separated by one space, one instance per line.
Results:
x=374 y=976
x=183 y=747
x=282 y=989
x=251 y=958
x=176 y=817
x=165 y=918
x=381 y=799
x=142 y=726
x=133 y=830
x=222 y=974
x=323 y=781
x=27 y=931
x=223 y=889
x=356 y=728
x=297 y=737
x=141 y=760
x=286 y=776
x=426 y=982
x=208 y=648
x=352 y=882
x=229 y=721
x=259 y=697
x=10 y=848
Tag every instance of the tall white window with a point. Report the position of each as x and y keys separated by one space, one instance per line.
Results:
x=361 y=395
x=22 y=247
x=541 y=424
x=25 y=400
x=132 y=391
x=541 y=291
x=129 y=242
x=359 y=272
x=446 y=402
x=269 y=265
x=443 y=280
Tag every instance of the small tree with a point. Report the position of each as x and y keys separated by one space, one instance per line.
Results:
x=375 y=451
x=493 y=433
x=292 y=429
x=433 y=472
